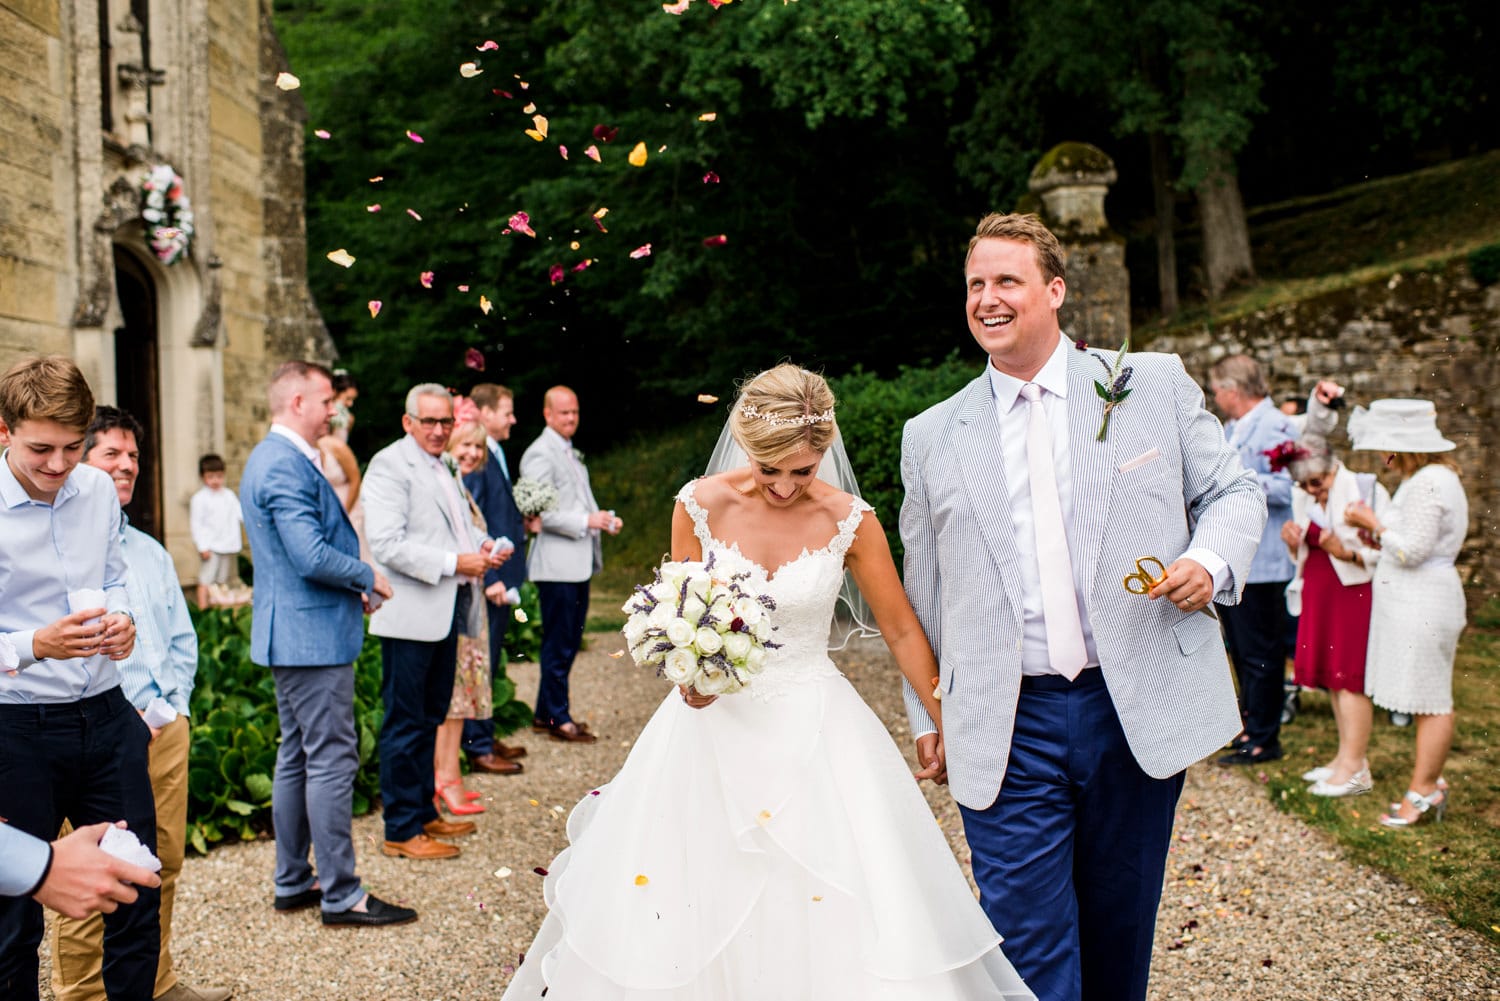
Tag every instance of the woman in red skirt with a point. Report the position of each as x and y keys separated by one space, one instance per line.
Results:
x=1332 y=584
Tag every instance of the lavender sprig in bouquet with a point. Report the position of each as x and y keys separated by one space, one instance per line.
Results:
x=700 y=628
x=533 y=497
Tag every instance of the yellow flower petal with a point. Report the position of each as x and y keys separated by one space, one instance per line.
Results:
x=641 y=881
x=285 y=81
x=708 y=116
x=469 y=71
x=707 y=398
x=341 y=257
x=485 y=305
x=638 y=155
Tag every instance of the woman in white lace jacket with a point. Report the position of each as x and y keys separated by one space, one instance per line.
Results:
x=1418 y=603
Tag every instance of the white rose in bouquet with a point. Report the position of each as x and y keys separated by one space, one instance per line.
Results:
x=755 y=660
x=634 y=630
x=680 y=632
x=681 y=666
x=714 y=682
x=693 y=607
x=737 y=647
x=708 y=641
x=662 y=614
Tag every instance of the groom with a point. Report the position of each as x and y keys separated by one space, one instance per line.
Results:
x=1070 y=705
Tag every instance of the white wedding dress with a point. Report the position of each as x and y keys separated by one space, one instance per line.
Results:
x=770 y=847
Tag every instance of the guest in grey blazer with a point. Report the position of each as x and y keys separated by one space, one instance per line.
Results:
x=562 y=558
x=311 y=591
x=1070 y=706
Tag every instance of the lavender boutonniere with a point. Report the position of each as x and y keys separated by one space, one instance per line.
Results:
x=1116 y=386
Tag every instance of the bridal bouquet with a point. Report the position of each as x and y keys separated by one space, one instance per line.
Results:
x=533 y=497
x=698 y=627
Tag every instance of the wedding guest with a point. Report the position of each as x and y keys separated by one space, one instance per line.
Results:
x=311 y=592
x=214 y=518
x=1318 y=415
x=159 y=673
x=1255 y=629
x=72 y=876
x=342 y=470
x=424 y=539
x=472 y=689
x=79 y=749
x=563 y=558
x=1331 y=596
x=490 y=486
x=1070 y=706
x=1417 y=605
x=345 y=392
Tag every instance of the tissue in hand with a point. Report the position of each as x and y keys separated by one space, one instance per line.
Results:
x=85 y=597
x=159 y=713
x=125 y=846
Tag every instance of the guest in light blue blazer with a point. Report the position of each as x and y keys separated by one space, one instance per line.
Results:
x=1256 y=628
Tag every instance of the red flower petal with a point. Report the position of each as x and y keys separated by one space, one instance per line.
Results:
x=474 y=358
x=715 y=241
x=555 y=273
x=605 y=133
x=710 y=178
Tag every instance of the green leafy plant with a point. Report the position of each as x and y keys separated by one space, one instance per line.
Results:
x=1484 y=264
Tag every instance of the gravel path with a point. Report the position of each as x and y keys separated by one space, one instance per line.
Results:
x=1256 y=904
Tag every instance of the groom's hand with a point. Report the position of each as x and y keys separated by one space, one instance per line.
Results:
x=931 y=756
x=1188 y=585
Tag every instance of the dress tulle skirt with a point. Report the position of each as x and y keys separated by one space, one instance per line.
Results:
x=762 y=850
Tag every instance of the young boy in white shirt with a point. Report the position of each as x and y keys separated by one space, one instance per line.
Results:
x=214 y=515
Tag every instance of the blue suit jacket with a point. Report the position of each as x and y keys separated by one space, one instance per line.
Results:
x=491 y=492
x=308 y=575
x=1262 y=429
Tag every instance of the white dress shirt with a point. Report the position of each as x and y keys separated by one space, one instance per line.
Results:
x=1011 y=410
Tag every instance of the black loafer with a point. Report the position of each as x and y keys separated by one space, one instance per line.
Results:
x=1246 y=756
x=297 y=901
x=377 y=912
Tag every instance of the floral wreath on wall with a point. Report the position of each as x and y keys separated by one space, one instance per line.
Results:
x=167 y=213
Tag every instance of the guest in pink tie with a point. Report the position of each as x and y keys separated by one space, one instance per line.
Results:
x=1071 y=705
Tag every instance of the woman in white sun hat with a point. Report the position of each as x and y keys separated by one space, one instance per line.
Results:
x=1417 y=608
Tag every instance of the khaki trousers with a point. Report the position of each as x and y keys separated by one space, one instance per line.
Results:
x=78 y=946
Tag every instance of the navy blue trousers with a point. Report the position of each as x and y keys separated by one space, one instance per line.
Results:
x=1256 y=633
x=479 y=734
x=86 y=762
x=565 y=608
x=1070 y=857
x=417 y=688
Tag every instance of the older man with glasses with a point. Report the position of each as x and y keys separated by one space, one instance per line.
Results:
x=422 y=538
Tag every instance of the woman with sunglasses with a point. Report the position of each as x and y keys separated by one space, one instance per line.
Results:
x=1332 y=594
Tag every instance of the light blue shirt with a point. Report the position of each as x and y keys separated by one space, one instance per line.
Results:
x=23 y=859
x=1263 y=428
x=165 y=659
x=47 y=550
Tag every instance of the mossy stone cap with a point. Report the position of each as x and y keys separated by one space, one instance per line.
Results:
x=1072 y=163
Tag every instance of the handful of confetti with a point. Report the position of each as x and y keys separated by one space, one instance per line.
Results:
x=534 y=497
x=125 y=846
x=10 y=660
x=699 y=628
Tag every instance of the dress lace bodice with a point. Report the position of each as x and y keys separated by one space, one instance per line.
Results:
x=805 y=590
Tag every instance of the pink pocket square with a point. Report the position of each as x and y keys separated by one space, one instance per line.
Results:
x=1140 y=460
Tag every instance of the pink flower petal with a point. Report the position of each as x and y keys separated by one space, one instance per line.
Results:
x=598 y=218
x=563 y=150
x=583 y=264
x=680 y=7
x=715 y=241
x=426 y=279
x=710 y=178
x=463 y=288
x=323 y=133
x=716 y=4
x=593 y=154
x=644 y=250
x=521 y=223
x=489 y=46
x=374 y=305
x=502 y=93
x=373 y=208
x=414 y=137
x=413 y=214
x=555 y=273
x=474 y=358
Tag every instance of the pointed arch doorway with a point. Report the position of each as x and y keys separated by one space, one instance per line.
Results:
x=137 y=350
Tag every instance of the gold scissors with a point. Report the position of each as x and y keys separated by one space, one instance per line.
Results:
x=1143 y=580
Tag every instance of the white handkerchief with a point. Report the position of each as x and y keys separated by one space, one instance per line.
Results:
x=504 y=545
x=86 y=597
x=125 y=846
x=159 y=713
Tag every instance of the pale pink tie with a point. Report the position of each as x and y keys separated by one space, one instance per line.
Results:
x=456 y=506
x=1065 y=649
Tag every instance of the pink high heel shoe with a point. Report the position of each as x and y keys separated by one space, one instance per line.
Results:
x=445 y=798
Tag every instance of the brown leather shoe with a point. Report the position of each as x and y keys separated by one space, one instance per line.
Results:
x=420 y=847
x=441 y=828
x=495 y=765
x=509 y=752
x=573 y=733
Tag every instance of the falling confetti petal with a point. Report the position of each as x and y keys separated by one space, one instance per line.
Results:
x=521 y=616
x=710 y=178
x=555 y=273
x=377 y=178
x=707 y=398
x=323 y=133
x=469 y=70
x=530 y=109
x=286 y=81
x=374 y=305
x=662 y=148
x=485 y=305
x=523 y=83
x=563 y=150
x=641 y=881
x=708 y=116
x=341 y=257
x=534 y=802
x=581 y=265
x=414 y=137
x=680 y=7
x=574 y=245
x=474 y=358
x=502 y=93
x=521 y=223
x=816 y=899
x=605 y=133
x=463 y=288
x=617 y=654
x=638 y=155
x=503 y=872
x=593 y=154
x=540 y=121
x=540 y=871
x=426 y=279
x=763 y=818
x=599 y=219
x=644 y=250
x=716 y=4
x=373 y=208
x=489 y=46
x=715 y=241
x=413 y=214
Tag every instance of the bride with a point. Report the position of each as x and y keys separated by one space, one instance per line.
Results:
x=771 y=844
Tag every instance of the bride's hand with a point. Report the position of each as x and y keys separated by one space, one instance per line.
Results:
x=933 y=758
x=694 y=699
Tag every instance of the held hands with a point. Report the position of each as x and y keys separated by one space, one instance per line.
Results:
x=84 y=633
x=694 y=699
x=378 y=593
x=85 y=879
x=933 y=758
x=1188 y=585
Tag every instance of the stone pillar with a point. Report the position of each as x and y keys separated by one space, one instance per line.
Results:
x=1071 y=180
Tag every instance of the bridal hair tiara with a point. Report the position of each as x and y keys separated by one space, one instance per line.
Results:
x=749 y=411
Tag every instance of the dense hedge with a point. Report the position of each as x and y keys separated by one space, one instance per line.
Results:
x=872 y=411
x=236 y=730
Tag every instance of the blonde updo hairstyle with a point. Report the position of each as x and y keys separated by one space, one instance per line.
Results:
x=768 y=418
